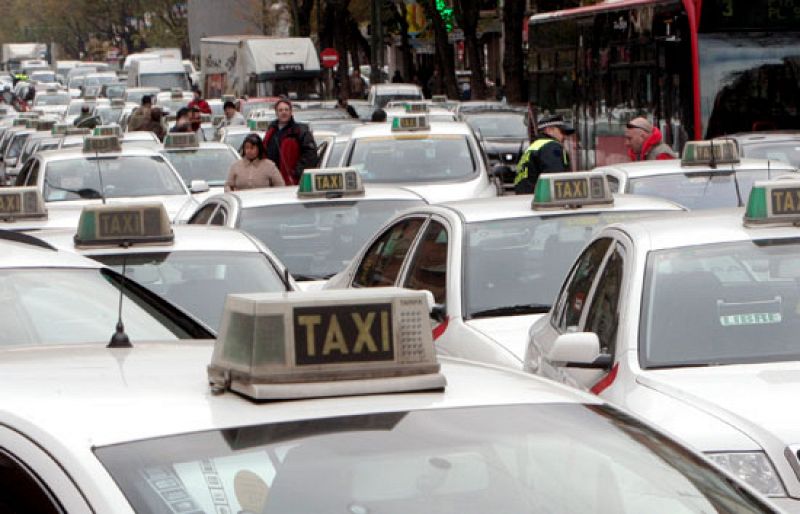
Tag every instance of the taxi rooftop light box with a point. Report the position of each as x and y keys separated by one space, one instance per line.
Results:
x=564 y=190
x=325 y=343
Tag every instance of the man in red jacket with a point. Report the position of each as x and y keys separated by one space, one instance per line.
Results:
x=289 y=144
x=643 y=141
x=199 y=102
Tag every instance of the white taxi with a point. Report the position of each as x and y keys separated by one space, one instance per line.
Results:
x=22 y=209
x=329 y=402
x=315 y=228
x=102 y=171
x=691 y=323
x=440 y=161
x=493 y=265
x=201 y=165
x=705 y=177
x=191 y=266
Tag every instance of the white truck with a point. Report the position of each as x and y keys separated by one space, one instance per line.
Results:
x=259 y=66
x=15 y=53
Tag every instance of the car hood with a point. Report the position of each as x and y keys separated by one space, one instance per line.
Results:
x=754 y=397
x=179 y=207
x=511 y=332
x=450 y=191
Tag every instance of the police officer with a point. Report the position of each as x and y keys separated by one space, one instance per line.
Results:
x=545 y=155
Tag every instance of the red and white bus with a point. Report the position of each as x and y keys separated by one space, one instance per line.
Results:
x=696 y=68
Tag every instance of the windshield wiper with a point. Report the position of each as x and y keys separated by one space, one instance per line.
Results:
x=530 y=308
x=84 y=193
x=302 y=278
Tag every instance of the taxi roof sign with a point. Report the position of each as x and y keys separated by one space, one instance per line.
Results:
x=710 y=153
x=176 y=94
x=439 y=99
x=415 y=107
x=774 y=202
x=275 y=346
x=29 y=115
x=107 y=130
x=181 y=140
x=45 y=124
x=570 y=190
x=20 y=122
x=60 y=129
x=123 y=225
x=259 y=125
x=21 y=203
x=100 y=144
x=330 y=181
x=410 y=122
x=117 y=103
x=78 y=131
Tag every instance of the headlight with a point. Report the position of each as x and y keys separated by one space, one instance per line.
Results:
x=753 y=468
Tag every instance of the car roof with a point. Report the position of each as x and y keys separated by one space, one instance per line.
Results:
x=161 y=389
x=673 y=166
x=65 y=154
x=713 y=226
x=188 y=238
x=24 y=251
x=202 y=145
x=519 y=206
x=745 y=138
x=288 y=195
x=436 y=128
x=387 y=88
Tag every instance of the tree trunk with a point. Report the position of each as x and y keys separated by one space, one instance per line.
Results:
x=513 y=59
x=444 y=53
x=467 y=14
x=301 y=17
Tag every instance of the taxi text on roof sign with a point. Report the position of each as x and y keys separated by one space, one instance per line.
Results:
x=101 y=144
x=774 y=201
x=123 y=225
x=275 y=346
x=181 y=140
x=565 y=190
x=330 y=181
x=21 y=203
x=107 y=130
x=410 y=122
x=710 y=153
x=415 y=107
x=59 y=129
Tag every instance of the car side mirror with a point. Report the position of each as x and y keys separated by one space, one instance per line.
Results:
x=438 y=312
x=198 y=186
x=578 y=349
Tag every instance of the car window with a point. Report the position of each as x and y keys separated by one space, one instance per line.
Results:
x=203 y=214
x=220 y=218
x=602 y=316
x=382 y=262
x=28 y=493
x=429 y=265
x=572 y=299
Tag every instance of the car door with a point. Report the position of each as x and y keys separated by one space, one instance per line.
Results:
x=427 y=269
x=382 y=263
x=568 y=315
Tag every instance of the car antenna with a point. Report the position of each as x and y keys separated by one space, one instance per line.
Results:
x=287 y=278
x=100 y=178
x=120 y=339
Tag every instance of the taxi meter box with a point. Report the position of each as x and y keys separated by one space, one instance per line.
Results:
x=772 y=202
x=330 y=181
x=560 y=190
x=122 y=225
x=21 y=203
x=276 y=346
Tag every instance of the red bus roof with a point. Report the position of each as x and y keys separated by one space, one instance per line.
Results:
x=607 y=5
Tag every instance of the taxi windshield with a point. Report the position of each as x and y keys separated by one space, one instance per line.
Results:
x=500 y=125
x=549 y=458
x=703 y=190
x=786 y=151
x=737 y=302
x=318 y=239
x=123 y=176
x=41 y=100
x=51 y=306
x=164 y=81
x=516 y=266
x=209 y=164
x=235 y=139
x=199 y=282
x=413 y=158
